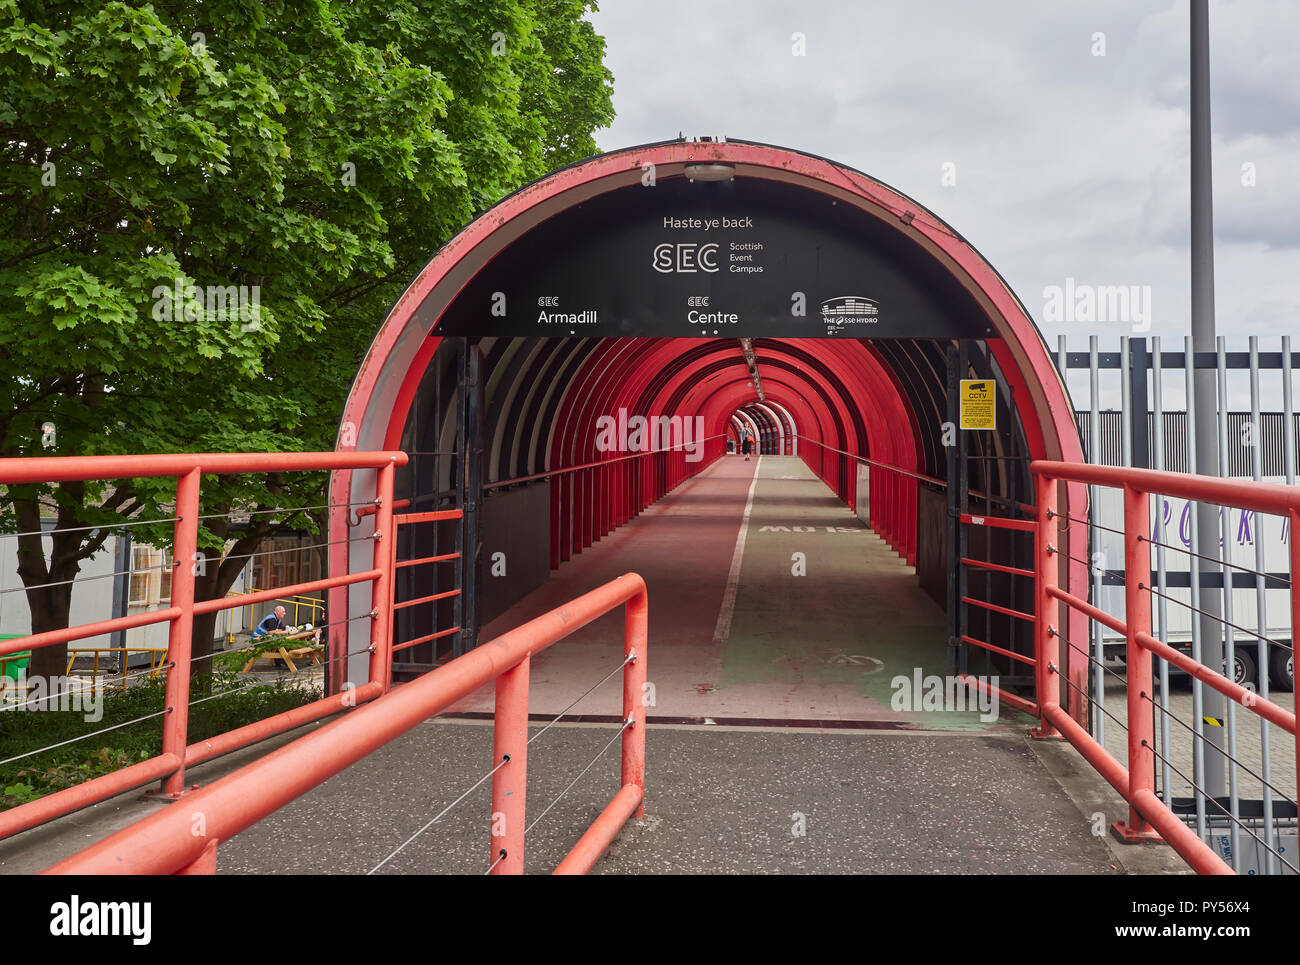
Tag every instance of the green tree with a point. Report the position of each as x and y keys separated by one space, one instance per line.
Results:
x=309 y=156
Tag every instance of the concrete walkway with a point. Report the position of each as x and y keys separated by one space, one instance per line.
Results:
x=734 y=632
x=720 y=800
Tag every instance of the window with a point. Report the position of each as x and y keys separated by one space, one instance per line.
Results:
x=151 y=576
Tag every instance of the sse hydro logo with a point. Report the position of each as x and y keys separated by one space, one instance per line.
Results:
x=850 y=310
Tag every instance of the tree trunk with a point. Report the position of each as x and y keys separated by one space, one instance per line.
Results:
x=49 y=583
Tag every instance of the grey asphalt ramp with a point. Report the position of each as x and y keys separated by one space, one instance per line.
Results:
x=719 y=801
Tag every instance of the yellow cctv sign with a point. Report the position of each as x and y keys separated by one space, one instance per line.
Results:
x=977 y=408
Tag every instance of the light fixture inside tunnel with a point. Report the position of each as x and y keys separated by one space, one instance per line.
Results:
x=710 y=172
x=751 y=362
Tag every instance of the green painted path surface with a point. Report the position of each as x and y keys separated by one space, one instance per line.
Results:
x=857 y=620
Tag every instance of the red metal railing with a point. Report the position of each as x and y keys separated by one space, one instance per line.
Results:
x=1149 y=817
x=165 y=842
x=410 y=519
x=177 y=754
x=1016 y=525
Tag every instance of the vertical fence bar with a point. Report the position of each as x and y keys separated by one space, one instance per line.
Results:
x=1162 y=579
x=1198 y=689
x=1294 y=520
x=1047 y=648
x=1261 y=603
x=180 y=634
x=1229 y=635
x=1137 y=619
x=510 y=783
x=636 y=635
x=1288 y=416
x=1094 y=539
x=956 y=649
x=1126 y=450
x=381 y=591
x=1288 y=445
x=1126 y=402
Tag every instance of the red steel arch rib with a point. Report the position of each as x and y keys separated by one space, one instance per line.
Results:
x=862 y=406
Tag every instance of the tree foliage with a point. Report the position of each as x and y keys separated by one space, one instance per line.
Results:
x=157 y=161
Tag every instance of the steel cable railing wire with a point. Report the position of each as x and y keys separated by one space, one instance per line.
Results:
x=1188 y=727
x=1214 y=559
x=1077 y=649
x=1122 y=679
x=82 y=737
x=253 y=646
x=1254 y=634
x=626 y=660
x=1181 y=549
x=299 y=549
x=1092 y=567
x=1053 y=514
x=92 y=689
x=154 y=671
x=258 y=682
x=124 y=523
x=1168 y=714
x=120 y=524
x=1201 y=792
x=175 y=563
x=88 y=579
x=505 y=759
x=283 y=676
x=1163 y=710
x=1251 y=633
x=1075 y=687
x=284 y=510
x=626 y=724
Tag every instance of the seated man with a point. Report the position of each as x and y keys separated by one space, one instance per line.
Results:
x=271 y=623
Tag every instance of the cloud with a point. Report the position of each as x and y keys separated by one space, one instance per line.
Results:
x=1068 y=163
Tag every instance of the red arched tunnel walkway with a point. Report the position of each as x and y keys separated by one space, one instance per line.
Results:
x=869 y=415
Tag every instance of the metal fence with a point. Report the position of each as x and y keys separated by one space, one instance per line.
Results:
x=1224 y=781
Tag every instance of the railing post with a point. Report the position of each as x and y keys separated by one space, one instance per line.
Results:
x=1047 y=647
x=180 y=635
x=381 y=591
x=1295 y=615
x=1137 y=619
x=636 y=635
x=510 y=783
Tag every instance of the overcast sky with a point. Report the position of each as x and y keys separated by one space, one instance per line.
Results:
x=1067 y=164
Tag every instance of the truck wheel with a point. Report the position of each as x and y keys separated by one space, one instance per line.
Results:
x=1243 y=668
x=1281 y=669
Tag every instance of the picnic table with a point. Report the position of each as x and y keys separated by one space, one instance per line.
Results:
x=287 y=653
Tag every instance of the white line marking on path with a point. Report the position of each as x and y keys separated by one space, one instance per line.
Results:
x=723 y=630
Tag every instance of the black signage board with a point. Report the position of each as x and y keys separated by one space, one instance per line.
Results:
x=737 y=258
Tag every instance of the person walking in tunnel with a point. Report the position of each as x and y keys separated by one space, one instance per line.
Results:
x=746 y=443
